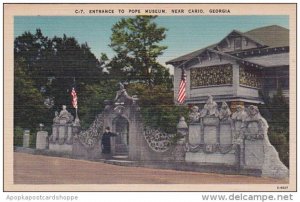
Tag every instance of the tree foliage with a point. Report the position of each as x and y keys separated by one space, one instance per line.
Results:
x=53 y=64
x=29 y=109
x=93 y=103
x=157 y=108
x=136 y=42
x=45 y=70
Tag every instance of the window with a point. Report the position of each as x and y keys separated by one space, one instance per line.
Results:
x=237 y=43
x=211 y=76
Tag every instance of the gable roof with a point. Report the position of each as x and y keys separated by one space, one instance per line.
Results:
x=272 y=36
x=252 y=63
x=190 y=55
x=245 y=35
x=264 y=36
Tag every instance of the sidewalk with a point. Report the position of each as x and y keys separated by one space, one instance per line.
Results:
x=37 y=169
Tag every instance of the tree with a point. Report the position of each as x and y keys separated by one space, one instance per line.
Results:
x=29 y=108
x=34 y=50
x=136 y=42
x=52 y=64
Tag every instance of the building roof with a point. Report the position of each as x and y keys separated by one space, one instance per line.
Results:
x=263 y=35
x=190 y=55
x=273 y=60
x=267 y=36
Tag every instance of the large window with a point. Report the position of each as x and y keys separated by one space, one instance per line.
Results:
x=250 y=77
x=211 y=76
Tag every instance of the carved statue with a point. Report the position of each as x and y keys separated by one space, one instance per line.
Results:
x=225 y=112
x=194 y=115
x=240 y=113
x=253 y=124
x=65 y=115
x=238 y=117
x=122 y=96
x=210 y=108
x=56 y=118
x=254 y=115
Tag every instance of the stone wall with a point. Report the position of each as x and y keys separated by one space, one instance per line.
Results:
x=214 y=138
x=240 y=139
x=211 y=141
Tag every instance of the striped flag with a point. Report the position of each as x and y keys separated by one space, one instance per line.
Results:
x=182 y=91
x=74 y=98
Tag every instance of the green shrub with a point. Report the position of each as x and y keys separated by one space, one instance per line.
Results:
x=18 y=136
x=276 y=111
x=278 y=139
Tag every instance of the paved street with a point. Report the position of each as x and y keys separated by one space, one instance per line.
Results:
x=35 y=169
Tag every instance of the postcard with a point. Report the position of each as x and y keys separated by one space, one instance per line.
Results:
x=150 y=97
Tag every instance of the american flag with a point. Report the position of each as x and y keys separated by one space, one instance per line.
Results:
x=181 y=93
x=74 y=98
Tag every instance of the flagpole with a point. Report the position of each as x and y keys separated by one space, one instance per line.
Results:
x=74 y=84
x=77 y=122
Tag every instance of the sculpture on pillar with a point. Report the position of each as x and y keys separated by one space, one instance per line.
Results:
x=56 y=118
x=65 y=116
x=122 y=96
x=239 y=114
x=194 y=116
x=182 y=127
x=225 y=112
x=253 y=115
x=210 y=108
x=238 y=117
x=54 y=135
x=62 y=124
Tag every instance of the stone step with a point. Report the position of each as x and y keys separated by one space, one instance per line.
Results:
x=120 y=162
x=120 y=157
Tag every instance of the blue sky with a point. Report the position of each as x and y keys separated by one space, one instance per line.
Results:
x=185 y=33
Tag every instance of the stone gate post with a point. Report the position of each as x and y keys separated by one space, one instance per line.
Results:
x=26 y=138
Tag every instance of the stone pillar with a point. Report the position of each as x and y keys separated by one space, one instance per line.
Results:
x=254 y=154
x=26 y=138
x=235 y=78
x=225 y=132
x=195 y=134
x=211 y=130
x=113 y=145
x=179 y=150
x=54 y=133
x=182 y=127
x=62 y=134
x=69 y=134
x=254 y=147
x=42 y=140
